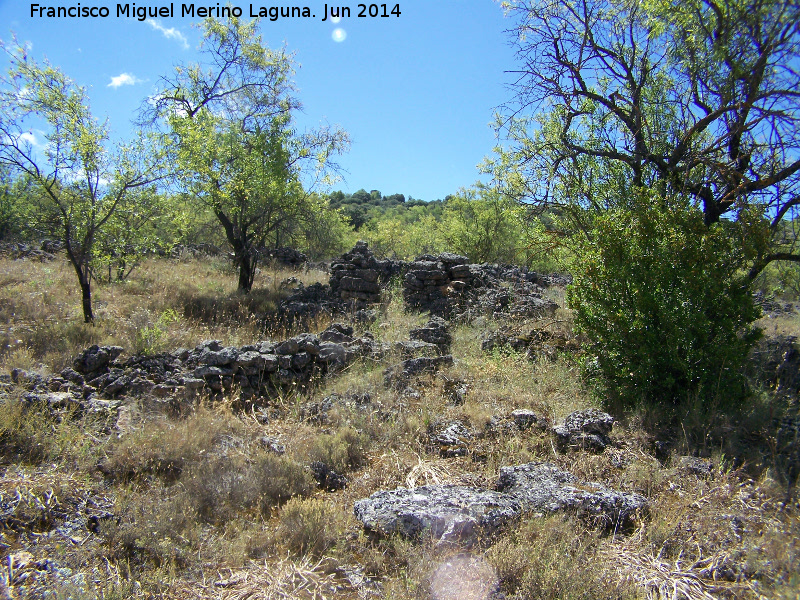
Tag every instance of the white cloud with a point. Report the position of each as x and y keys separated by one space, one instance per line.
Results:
x=124 y=79
x=169 y=32
x=28 y=137
x=34 y=137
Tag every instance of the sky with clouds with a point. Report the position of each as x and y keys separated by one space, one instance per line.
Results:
x=416 y=92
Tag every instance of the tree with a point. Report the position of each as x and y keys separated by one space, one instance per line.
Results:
x=82 y=183
x=148 y=224
x=230 y=125
x=484 y=225
x=665 y=135
x=9 y=210
x=695 y=97
x=325 y=232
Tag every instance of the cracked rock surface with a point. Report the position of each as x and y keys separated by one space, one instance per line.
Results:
x=461 y=514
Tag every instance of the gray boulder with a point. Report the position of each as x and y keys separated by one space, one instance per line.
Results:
x=95 y=359
x=585 y=430
x=543 y=487
x=525 y=418
x=452 y=440
x=450 y=513
x=434 y=332
x=460 y=514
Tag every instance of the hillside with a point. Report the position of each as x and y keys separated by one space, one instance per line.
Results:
x=379 y=430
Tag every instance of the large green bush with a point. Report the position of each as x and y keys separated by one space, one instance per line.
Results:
x=665 y=302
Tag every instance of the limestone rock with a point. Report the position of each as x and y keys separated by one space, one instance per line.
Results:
x=543 y=487
x=450 y=513
x=96 y=359
x=586 y=430
x=327 y=478
x=435 y=332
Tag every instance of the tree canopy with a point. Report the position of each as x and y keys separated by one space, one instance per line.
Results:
x=697 y=98
x=229 y=121
x=82 y=183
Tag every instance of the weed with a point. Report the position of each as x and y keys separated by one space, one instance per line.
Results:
x=308 y=526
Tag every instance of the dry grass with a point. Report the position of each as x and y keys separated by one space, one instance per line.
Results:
x=164 y=304
x=195 y=505
x=285 y=579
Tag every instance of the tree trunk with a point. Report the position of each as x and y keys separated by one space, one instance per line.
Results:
x=247 y=270
x=85 y=281
x=86 y=295
x=244 y=255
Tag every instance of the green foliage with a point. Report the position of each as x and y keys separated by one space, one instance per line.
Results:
x=81 y=182
x=231 y=134
x=485 y=226
x=665 y=302
x=404 y=235
x=10 y=221
x=690 y=98
x=365 y=209
x=146 y=225
x=151 y=335
x=325 y=231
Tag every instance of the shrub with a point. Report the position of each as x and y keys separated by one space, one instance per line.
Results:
x=307 y=526
x=341 y=451
x=665 y=301
x=33 y=433
x=221 y=488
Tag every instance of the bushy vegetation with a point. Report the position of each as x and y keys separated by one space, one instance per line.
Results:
x=666 y=304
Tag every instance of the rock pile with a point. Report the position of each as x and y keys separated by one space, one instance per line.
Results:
x=255 y=370
x=431 y=281
x=43 y=252
x=448 y=285
x=305 y=304
x=435 y=332
x=288 y=257
x=98 y=378
x=533 y=341
x=461 y=514
x=356 y=276
x=445 y=285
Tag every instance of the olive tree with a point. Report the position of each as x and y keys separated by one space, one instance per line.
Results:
x=230 y=124
x=81 y=180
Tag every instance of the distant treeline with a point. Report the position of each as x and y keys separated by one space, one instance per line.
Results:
x=362 y=205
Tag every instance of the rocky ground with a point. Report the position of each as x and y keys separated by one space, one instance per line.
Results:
x=412 y=430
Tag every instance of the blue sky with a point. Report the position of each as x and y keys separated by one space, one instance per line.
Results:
x=415 y=92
